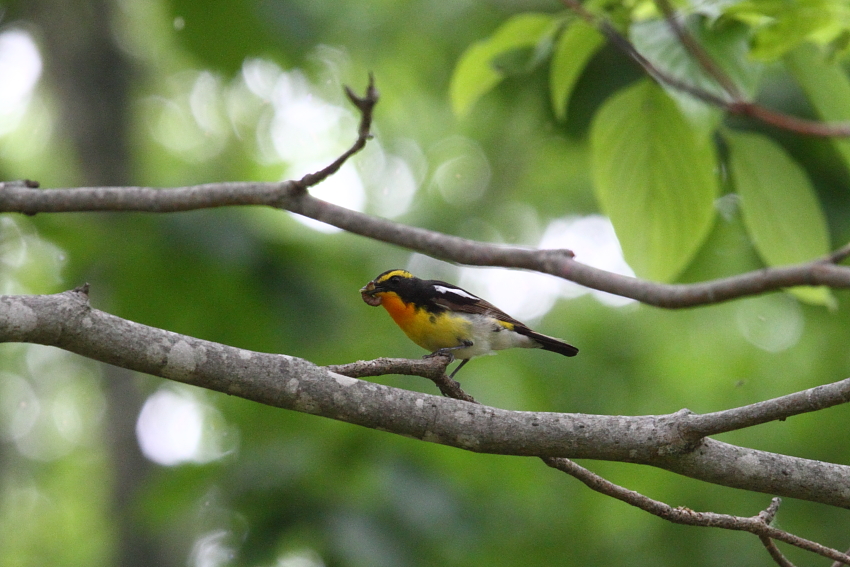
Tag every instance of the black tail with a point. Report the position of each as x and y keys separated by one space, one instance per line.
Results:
x=549 y=343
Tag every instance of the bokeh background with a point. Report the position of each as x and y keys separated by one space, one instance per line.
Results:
x=100 y=466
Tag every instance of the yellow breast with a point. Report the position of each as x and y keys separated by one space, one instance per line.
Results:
x=428 y=330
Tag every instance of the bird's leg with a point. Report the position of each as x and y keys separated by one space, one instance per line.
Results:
x=447 y=351
x=459 y=366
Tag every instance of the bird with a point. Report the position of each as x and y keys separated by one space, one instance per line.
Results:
x=448 y=320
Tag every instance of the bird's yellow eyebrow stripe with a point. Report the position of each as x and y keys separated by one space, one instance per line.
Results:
x=388 y=275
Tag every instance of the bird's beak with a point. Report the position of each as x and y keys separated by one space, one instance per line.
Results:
x=368 y=292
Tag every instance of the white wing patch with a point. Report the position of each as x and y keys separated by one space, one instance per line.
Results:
x=454 y=291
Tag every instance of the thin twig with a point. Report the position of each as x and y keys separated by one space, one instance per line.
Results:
x=697 y=52
x=838 y=255
x=769 y=514
x=623 y=44
x=431 y=367
x=755 y=525
x=366 y=106
x=559 y=263
x=774 y=552
x=424 y=367
x=788 y=122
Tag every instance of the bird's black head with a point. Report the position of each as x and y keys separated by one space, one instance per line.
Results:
x=401 y=282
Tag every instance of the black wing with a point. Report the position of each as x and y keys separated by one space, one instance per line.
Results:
x=453 y=298
x=457 y=299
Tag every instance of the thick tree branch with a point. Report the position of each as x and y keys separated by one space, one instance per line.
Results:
x=689 y=428
x=67 y=321
x=759 y=524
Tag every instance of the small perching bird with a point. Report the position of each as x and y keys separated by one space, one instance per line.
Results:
x=445 y=319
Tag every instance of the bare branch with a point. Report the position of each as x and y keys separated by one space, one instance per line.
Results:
x=839 y=563
x=813 y=399
x=838 y=255
x=23 y=197
x=425 y=367
x=788 y=122
x=774 y=552
x=687 y=428
x=431 y=367
x=759 y=524
x=769 y=514
x=14 y=197
x=366 y=106
x=67 y=321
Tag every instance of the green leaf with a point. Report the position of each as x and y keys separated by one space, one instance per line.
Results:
x=827 y=87
x=727 y=44
x=779 y=206
x=654 y=177
x=781 y=26
x=574 y=48
x=476 y=74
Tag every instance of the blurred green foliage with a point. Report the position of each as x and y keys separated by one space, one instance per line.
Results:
x=223 y=91
x=661 y=210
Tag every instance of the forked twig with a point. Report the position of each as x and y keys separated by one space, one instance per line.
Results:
x=366 y=106
x=758 y=525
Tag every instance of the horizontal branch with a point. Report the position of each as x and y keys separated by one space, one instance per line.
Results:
x=759 y=524
x=813 y=399
x=67 y=321
x=25 y=197
x=290 y=195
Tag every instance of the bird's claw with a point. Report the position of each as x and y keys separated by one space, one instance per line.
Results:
x=442 y=352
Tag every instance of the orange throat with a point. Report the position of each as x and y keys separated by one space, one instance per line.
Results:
x=402 y=313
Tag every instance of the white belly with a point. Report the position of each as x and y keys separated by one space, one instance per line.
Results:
x=488 y=336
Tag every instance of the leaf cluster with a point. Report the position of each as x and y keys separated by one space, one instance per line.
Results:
x=664 y=150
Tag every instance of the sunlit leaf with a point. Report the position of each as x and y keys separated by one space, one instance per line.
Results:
x=781 y=26
x=827 y=87
x=574 y=48
x=654 y=176
x=476 y=74
x=779 y=206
